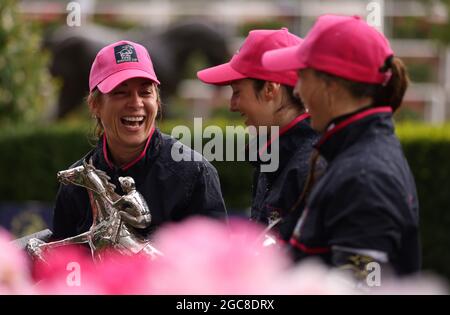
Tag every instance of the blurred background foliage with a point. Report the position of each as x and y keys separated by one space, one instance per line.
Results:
x=26 y=87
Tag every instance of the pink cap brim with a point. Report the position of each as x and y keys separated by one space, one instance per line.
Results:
x=220 y=75
x=283 y=59
x=115 y=79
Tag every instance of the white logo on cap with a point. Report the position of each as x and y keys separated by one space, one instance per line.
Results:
x=126 y=52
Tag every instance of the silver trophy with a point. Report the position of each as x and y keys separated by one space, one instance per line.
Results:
x=114 y=217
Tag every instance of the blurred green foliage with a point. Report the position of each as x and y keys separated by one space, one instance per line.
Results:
x=440 y=30
x=110 y=20
x=421 y=71
x=25 y=84
x=411 y=27
x=405 y=114
x=434 y=26
x=245 y=28
x=427 y=150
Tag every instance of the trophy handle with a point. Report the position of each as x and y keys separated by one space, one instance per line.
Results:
x=36 y=247
x=43 y=235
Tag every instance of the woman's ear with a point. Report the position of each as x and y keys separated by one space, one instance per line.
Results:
x=94 y=110
x=271 y=90
x=334 y=86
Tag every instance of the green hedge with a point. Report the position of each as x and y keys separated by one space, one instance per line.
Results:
x=428 y=152
x=30 y=158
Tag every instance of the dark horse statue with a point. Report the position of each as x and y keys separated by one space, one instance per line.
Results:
x=74 y=49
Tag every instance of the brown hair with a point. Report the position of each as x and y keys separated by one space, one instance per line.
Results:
x=96 y=97
x=390 y=94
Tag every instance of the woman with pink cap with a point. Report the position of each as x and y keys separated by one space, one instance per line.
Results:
x=364 y=208
x=124 y=99
x=265 y=98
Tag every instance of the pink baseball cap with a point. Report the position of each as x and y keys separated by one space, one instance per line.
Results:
x=345 y=46
x=246 y=63
x=119 y=62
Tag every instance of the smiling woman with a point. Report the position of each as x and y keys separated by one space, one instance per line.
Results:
x=124 y=99
x=364 y=210
x=265 y=99
x=127 y=115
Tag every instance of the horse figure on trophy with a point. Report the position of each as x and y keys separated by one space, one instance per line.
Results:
x=115 y=217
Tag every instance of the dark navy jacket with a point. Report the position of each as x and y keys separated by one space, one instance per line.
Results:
x=173 y=190
x=275 y=193
x=366 y=201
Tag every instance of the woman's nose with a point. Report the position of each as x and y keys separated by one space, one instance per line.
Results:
x=297 y=89
x=233 y=105
x=135 y=100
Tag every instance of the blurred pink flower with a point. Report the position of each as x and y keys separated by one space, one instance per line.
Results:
x=67 y=270
x=423 y=284
x=203 y=256
x=71 y=270
x=14 y=270
x=312 y=277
